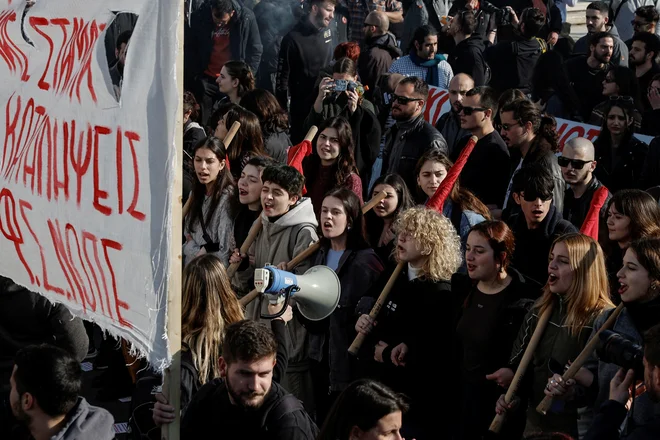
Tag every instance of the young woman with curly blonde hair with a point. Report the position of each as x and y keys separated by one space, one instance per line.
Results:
x=400 y=349
x=578 y=292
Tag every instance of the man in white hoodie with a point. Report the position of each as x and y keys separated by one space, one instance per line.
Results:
x=45 y=397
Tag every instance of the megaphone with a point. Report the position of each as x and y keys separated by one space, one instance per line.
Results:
x=316 y=291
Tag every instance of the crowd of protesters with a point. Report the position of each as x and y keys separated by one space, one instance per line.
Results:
x=513 y=273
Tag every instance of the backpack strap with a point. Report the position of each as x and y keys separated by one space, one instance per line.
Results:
x=295 y=231
x=282 y=407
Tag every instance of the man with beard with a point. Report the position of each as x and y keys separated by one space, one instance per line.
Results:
x=486 y=172
x=117 y=71
x=245 y=402
x=523 y=127
x=303 y=53
x=411 y=135
x=424 y=61
x=598 y=20
x=587 y=73
x=449 y=124
x=613 y=412
x=379 y=50
x=45 y=398
x=577 y=166
x=644 y=48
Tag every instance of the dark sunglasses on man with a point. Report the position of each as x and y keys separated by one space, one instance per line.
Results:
x=404 y=100
x=577 y=164
x=531 y=196
x=467 y=111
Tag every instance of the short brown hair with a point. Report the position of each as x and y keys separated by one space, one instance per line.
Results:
x=421 y=89
x=248 y=341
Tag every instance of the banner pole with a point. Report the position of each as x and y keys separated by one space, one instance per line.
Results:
x=172 y=375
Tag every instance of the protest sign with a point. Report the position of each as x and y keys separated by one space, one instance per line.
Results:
x=438 y=104
x=85 y=172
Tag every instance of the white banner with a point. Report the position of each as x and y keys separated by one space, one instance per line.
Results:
x=85 y=176
x=438 y=104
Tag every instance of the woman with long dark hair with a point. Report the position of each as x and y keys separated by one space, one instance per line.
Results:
x=619 y=154
x=235 y=80
x=193 y=133
x=351 y=105
x=495 y=298
x=248 y=141
x=620 y=83
x=209 y=223
x=552 y=89
x=632 y=214
x=345 y=250
x=366 y=410
x=380 y=220
x=273 y=119
x=333 y=165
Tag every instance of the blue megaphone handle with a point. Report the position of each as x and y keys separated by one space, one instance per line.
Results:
x=280 y=280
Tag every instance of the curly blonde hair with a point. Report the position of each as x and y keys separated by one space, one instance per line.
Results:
x=436 y=237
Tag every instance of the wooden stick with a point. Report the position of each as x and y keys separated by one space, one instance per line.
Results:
x=588 y=349
x=171 y=388
x=542 y=323
x=359 y=339
x=247 y=299
x=230 y=137
x=311 y=133
x=252 y=235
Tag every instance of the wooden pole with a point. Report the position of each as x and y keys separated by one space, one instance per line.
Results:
x=542 y=323
x=172 y=375
x=359 y=339
x=588 y=349
x=230 y=137
x=247 y=299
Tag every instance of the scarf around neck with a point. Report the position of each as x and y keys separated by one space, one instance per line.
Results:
x=431 y=65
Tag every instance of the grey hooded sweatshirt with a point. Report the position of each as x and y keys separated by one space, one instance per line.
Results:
x=619 y=54
x=87 y=422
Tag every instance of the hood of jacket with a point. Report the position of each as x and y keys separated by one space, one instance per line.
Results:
x=87 y=422
x=547 y=227
x=302 y=212
x=386 y=42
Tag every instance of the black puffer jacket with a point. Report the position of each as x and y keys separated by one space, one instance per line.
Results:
x=376 y=58
x=244 y=40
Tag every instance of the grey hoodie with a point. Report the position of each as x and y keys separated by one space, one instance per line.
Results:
x=87 y=422
x=619 y=54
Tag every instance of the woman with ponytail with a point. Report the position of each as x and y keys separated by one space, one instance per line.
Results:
x=235 y=80
x=534 y=134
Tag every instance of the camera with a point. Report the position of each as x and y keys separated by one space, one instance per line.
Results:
x=342 y=85
x=616 y=349
x=502 y=15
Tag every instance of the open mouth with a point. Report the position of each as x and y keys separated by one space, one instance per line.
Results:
x=471 y=267
x=327 y=225
x=268 y=206
x=203 y=175
x=242 y=192
x=623 y=287
x=537 y=213
x=552 y=278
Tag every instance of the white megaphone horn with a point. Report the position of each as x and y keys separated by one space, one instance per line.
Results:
x=316 y=292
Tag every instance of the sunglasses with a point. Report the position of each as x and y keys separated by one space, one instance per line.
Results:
x=638 y=23
x=467 y=111
x=507 y=127
x=404 y=100
x=575 y=163
x=369 y=24
x=532 y=196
